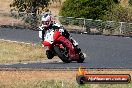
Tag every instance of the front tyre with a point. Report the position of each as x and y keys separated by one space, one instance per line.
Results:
x=61 y=54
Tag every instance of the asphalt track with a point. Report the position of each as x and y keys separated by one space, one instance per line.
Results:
x=102 y=51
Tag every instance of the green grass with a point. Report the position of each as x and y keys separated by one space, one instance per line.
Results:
x=18 y=52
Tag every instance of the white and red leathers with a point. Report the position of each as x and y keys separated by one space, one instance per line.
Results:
x=60 y=29
x=47 y=24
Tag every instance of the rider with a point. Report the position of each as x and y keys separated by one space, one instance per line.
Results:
x=47 y=24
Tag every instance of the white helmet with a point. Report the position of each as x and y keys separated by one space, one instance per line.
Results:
x=46 y=20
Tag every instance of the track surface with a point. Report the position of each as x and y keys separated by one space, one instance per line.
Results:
x=102 y=51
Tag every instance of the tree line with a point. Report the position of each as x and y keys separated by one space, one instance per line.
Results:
x=89 y=9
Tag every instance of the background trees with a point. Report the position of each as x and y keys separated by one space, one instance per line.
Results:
x=119 y=13
x=30 y=6
x=91 y=9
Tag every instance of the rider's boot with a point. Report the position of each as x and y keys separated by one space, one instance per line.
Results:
x=49 y=54
x=75 y=44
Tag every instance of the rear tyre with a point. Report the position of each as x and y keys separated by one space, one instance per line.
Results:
x=61 y=54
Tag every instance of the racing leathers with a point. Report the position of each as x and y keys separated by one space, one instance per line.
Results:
x=61 y=29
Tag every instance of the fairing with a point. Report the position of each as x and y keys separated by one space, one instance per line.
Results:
x=68 y=44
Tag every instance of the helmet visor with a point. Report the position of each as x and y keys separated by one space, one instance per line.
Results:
x=45 y=22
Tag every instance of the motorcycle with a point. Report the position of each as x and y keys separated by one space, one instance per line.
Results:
x=62 y=47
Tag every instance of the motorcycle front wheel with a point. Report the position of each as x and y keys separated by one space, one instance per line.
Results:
x=61 y=54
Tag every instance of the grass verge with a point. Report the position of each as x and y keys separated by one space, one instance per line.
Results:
x=17 y=52
x=52 y=79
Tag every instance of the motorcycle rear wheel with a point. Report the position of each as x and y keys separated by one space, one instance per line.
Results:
x=61 y=55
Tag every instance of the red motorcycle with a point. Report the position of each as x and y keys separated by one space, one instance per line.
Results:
x=62 y=47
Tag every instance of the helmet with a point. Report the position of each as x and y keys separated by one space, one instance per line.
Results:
x=46 y=20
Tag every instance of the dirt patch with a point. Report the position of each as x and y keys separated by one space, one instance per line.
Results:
x=8 y=76
x=5 y=5
x=9 y=21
